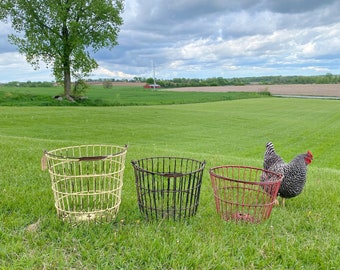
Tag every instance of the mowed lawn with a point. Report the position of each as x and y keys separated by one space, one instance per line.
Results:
x=302 y=235
x=97 y=95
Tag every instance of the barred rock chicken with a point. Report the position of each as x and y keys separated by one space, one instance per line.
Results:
x=294 y=172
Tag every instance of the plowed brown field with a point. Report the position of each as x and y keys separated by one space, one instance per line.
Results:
x=327 y=90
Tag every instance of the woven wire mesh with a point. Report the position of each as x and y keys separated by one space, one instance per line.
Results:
x=244 y=193
x=168 y=187
x=87 y=181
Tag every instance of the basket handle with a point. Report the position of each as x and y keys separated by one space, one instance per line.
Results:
x=93 y=158
x=44 y=160
x=170 y=175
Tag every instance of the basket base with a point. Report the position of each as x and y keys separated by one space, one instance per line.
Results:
x=238 y=216
x=87 y=217
x=84 y=217
x=174 y=214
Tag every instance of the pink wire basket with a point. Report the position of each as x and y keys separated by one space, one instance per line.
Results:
x=244 y=193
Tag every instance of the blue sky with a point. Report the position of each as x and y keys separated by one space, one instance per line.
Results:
x=202 y=39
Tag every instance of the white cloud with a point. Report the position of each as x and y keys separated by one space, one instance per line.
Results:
x=102 y=72
x=317 y=69
x=198 y=38
x=13 y=67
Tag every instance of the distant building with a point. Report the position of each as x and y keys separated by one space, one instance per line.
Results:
x=152 y=86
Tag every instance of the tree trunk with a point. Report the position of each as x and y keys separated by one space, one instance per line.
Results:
x=67 y=63
x=67 y=83
x=67 y=79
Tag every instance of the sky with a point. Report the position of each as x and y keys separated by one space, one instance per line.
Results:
x=208 y=38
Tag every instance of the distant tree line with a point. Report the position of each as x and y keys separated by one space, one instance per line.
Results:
x=29 y=84
x=264 y=80
x=216 y=81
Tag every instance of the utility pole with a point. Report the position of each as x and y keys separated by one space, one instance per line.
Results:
x=153 y=70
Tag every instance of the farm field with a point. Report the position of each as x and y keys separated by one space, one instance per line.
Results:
x=326 y=90
x=302 y=235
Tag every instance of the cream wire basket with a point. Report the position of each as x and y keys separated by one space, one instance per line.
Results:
x=86 y=181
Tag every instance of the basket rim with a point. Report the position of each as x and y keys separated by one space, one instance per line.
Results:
x=137 y=167
x=51 y=155
x=212 y=173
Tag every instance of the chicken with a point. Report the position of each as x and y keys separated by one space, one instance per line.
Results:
x=294 y=173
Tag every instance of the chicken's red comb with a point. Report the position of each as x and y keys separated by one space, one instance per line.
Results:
x=309 y=153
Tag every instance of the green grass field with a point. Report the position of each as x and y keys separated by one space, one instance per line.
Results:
x=115 y=96
x=303 y=235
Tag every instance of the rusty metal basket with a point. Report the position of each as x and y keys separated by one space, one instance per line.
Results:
x=168 y=187
x=86 y=181
x=244 y=193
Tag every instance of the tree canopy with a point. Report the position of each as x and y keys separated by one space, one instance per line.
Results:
x=63 y=33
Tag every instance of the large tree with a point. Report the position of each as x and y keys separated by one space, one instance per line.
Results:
x=62 y=33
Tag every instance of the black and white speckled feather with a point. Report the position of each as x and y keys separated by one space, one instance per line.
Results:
x=294 y=177
x=271 y=159
x=294 y=172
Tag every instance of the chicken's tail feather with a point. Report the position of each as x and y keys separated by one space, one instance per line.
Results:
x=270 y=148
x=271 y=158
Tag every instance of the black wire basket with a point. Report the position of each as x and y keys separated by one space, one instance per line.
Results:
x=168 y=187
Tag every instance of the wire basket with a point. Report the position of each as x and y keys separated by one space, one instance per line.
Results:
x=244 y=193
x=87 y=181
x=168 y=187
